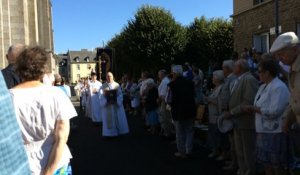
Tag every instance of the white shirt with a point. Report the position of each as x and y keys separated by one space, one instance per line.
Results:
x=163 y=87
x=37 y=110
x=285 y=67
x=94 y=85
x=272 y=100
x=48 y=79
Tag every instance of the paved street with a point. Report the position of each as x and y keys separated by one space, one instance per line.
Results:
x=136 y=154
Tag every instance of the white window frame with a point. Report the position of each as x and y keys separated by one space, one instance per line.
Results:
x=258 y=43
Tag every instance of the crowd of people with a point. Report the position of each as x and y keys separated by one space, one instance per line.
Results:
x=245 y=108
x=252 y=109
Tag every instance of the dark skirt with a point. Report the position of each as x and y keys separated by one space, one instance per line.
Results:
x=274 y=149
x=152 y=118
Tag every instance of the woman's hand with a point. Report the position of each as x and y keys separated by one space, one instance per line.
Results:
x=247 y=108
x=250 y=109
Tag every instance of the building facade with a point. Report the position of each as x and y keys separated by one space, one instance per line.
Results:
x=255 y=21
x=77 y=64
x=28 y=22
x=62 y=65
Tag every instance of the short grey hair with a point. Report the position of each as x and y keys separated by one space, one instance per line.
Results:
x=219 y=75
x=228 y=64
x=244 y=64
x=177 y=69
x=16 y=49
x=163 y=71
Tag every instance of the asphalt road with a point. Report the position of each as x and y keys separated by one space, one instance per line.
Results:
x=137 y=153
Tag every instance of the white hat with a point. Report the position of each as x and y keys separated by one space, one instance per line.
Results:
x=224 y=125
x=284 y=40
x=149 y=81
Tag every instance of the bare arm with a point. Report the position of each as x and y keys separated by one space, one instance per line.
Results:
x=62 y=129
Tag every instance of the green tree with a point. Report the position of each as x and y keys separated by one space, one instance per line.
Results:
x=150 y=41
x=122 y=59
x=209 y=41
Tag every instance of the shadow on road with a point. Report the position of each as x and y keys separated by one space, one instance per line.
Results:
x=137 y=153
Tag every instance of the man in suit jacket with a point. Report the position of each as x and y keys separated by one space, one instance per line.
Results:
x=183 y=110
x=287 y=48
x=10 y=76
x=243 y=93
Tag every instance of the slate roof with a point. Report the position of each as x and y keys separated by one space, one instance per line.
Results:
x=62 y=59
x=82 y=55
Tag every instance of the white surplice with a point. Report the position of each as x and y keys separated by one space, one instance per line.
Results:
x=113 y=115
x=94 y=110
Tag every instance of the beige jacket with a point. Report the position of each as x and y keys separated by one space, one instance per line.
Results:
x=243 y=94
x=293 y=110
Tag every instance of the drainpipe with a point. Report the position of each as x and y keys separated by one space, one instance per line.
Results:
x=277 y=17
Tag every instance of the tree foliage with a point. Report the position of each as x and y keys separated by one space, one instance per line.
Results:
x=209 y=41
x=153 y=40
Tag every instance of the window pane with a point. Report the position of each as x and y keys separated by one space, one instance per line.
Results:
x=255 y=2
x=261 y=42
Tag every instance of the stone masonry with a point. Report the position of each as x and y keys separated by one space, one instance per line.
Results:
x=28 y=22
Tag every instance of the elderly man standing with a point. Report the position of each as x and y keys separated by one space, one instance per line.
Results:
x=242 y=93
x=9 y=74
x=164 y=114
x=183 y=109
x=287 y=48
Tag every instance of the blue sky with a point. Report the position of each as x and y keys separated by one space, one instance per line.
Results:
x=87 y=24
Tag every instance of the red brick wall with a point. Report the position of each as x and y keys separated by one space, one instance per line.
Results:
x=246 y=24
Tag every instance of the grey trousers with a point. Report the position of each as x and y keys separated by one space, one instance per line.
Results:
x=184 y=136
x=165 y=120
x=244 y=140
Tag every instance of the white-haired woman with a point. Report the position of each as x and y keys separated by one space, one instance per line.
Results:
x=214 y=111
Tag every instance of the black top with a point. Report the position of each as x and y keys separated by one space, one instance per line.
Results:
x=111 y=96
x=151 y=99
x=183 y=99
x=10 y=76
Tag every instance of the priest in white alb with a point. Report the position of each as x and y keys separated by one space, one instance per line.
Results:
x=113 y=113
